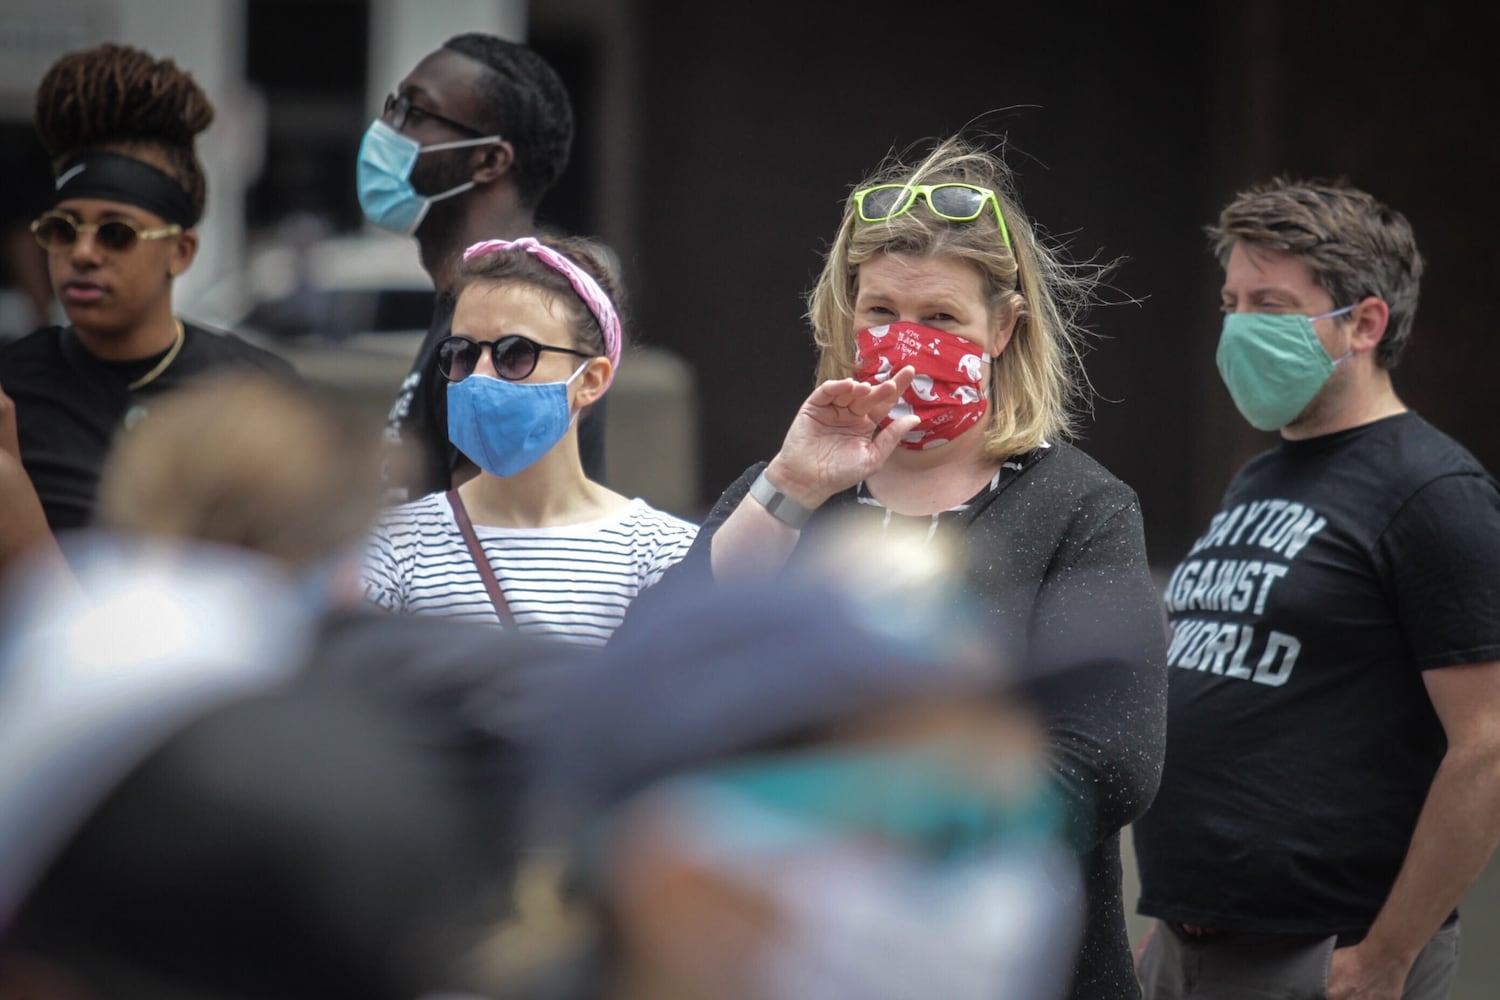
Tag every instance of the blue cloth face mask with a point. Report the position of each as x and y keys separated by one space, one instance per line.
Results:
x=1273 y=364
x=506 y=426
x=386 y=159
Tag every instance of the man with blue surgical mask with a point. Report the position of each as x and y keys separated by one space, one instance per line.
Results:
x=463 y=151
x=1333 y=740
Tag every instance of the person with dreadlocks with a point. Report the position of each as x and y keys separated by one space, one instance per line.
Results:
x=120 y=126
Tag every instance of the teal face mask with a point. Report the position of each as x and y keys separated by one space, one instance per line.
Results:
x=1273 y=364
x=913 y=796
x=882 y=873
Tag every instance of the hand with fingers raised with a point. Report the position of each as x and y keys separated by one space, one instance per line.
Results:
x=836 y=439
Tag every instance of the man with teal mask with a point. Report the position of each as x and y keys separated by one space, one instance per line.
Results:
x=463 y=151
x=1333 y=743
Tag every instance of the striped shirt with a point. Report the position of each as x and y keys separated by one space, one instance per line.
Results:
x=571 y=582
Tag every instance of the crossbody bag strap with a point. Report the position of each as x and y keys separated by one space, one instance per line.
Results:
x=481 y=562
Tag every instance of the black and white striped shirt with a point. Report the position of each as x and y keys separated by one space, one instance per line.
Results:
x=571 y=582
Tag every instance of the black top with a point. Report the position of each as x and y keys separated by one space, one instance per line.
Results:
x=1301 y=741
x=418 y=421
x=69 y=404
x=1054 y=549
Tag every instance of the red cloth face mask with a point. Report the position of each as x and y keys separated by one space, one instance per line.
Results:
x=949 y=394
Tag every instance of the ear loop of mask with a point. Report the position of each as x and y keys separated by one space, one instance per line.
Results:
x=438 y=147
x=572 y=411
x=1330 y=315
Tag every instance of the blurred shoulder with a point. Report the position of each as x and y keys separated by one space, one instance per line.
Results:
x=39 y=346
x=1065 y=468
x=642 y=514
x=367 y=642
x=210 y=347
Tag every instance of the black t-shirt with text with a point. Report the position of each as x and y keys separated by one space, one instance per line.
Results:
x=1301 y=741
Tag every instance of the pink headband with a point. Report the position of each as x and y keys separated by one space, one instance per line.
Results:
x=583 y=283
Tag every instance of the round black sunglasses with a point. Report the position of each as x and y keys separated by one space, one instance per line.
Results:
x=513 y=356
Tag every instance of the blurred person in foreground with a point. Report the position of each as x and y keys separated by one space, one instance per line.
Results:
x=531 y=543
x=218 y=778
x=121 y=127
x=1332 y=784
x=948 y=362
x=797 y=789
x=464 y=150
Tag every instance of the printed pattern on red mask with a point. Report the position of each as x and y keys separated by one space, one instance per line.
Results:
x=949 y=393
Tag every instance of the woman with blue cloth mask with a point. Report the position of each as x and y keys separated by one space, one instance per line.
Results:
x=531 y=542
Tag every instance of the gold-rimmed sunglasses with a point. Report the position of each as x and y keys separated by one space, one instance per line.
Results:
x=55 y=231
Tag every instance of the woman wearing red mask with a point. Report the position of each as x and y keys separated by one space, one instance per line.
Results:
x=120 y=126
x=949 y=363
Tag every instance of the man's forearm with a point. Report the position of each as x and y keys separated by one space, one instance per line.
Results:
x=1456 y=833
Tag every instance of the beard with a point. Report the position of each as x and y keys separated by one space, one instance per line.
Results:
x=441 y=171
x=1326 y=403
x=434 y=174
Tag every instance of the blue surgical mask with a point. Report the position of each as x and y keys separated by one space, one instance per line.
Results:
x=505 y=427
x=386 y=159
x=1274 y=364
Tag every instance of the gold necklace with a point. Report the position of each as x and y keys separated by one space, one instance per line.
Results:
x=161 y=365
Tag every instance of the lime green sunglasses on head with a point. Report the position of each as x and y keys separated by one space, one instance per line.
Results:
x=954 y=201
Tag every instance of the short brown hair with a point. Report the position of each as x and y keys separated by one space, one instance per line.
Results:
x=1354 y=245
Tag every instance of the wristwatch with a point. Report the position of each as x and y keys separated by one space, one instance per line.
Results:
x=782 y=507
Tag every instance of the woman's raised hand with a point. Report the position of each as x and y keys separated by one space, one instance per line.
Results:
x=832 y=443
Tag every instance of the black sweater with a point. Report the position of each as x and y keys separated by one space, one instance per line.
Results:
x=70 y=405
x=1057 y=554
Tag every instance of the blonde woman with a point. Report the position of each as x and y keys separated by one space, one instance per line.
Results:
x=949 y=369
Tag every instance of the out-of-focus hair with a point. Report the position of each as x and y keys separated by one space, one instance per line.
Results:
x=248 y=461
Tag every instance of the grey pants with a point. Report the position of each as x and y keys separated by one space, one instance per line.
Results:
x=1242 y=966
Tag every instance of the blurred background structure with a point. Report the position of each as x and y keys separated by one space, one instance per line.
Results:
x=717 y=141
